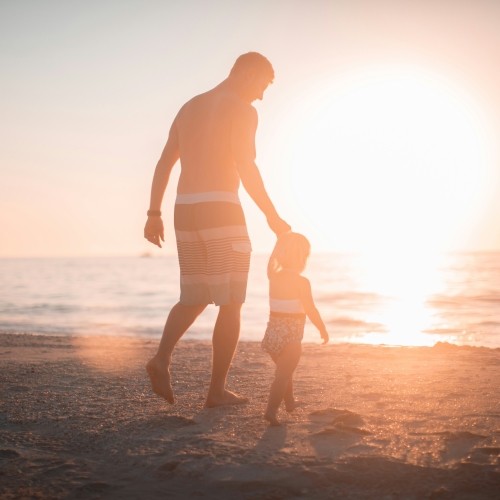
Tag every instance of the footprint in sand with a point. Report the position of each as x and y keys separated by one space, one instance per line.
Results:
x=458 y=445
x=170 y=465
x=348 y=419
x=352 y=430
x=489 y=450
x=9 y=454
x=60 y=470
x=484 y=455
x=344 y=421
x=328 y=412
x=326 y=431
x=464 y=435
x=450 y=436
x=341 y=429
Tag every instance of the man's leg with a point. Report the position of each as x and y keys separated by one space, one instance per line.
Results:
x=224 y=341
x=181 y=317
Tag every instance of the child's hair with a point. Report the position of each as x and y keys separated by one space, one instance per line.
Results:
x=291 y=251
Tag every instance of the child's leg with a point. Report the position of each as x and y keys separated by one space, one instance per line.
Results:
x=289 y=398
x=290 y=402
x=285 y=366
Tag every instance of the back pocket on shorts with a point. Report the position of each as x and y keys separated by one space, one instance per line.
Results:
x=242 y=246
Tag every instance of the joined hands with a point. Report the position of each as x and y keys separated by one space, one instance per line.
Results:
x=278 y=225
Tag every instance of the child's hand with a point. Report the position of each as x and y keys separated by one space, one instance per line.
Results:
x=324 y=336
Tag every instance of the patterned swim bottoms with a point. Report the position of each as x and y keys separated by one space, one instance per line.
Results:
x=213 y=247
x=281 y=331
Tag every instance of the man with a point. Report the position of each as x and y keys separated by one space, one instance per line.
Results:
x=214 y=136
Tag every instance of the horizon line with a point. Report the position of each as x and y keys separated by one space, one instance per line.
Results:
x=151 y=255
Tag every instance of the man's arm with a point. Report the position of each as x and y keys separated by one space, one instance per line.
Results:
x=243 y=149
x=153 y=231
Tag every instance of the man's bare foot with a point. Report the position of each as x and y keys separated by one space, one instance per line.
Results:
x=160 y=380
x=228 y=398
x=271 y=418
x=290 y=406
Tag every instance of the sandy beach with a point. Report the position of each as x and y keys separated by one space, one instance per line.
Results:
x=78 y=420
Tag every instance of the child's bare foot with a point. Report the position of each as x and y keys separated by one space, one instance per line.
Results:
x=291 y=405
x=271 y=418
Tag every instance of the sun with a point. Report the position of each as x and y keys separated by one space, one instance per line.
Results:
x=389 y=159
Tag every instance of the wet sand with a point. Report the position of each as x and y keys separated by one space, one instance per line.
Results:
x=78 y=420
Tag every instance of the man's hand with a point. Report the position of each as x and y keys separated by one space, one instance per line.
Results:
x=153 y=230
x=278 y=226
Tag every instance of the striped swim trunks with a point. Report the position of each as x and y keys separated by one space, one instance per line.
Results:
x=213 y=246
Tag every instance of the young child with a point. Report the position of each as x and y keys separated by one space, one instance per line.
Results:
x=290 y=301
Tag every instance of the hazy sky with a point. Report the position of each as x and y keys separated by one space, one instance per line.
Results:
x=392 y=108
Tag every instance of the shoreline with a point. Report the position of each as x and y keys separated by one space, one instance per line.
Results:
x=332 y=342
x=78 y=420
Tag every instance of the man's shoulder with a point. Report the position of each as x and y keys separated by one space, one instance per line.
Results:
x=193 y=102
x=245 y=107
x=235 y=103
x=225 y=99
x=244 y=111
x=225 y=103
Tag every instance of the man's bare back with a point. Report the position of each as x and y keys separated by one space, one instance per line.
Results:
x=204 y=127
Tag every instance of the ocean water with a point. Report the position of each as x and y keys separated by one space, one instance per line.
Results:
x=409 y=299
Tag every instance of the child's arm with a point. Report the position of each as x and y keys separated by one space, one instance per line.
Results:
x=310 y=309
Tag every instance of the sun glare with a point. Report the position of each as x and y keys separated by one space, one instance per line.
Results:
x=408 y=280
x=394 y=164
x=389 y=160
x=405 y=282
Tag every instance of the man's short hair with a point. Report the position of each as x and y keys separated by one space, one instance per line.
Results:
x=256 y=61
